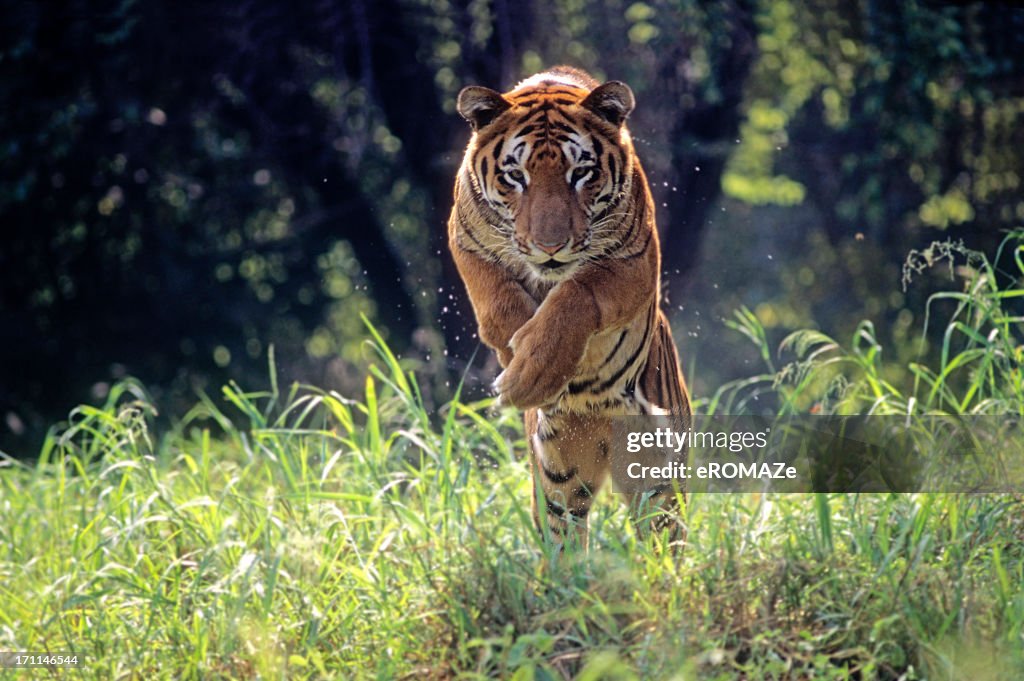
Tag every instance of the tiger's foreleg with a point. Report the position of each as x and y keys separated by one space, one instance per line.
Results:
x=549 y=346
x=569 y=462
x=501 y=304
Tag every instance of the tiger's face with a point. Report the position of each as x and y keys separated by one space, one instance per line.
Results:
x=551 y=160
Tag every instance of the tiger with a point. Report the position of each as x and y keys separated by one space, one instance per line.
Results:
x=553 y=234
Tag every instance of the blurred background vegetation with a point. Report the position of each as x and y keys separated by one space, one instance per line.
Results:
x=184 y=184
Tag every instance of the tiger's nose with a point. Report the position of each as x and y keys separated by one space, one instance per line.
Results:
x=550 y=247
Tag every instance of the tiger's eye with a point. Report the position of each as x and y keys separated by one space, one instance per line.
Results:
x=517 y=175
x=578 y=174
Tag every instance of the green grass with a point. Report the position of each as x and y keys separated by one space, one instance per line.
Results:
x=298 y=533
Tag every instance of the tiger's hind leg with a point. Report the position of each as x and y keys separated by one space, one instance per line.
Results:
x=569 y=461
x=662 y=391
x=657 y=511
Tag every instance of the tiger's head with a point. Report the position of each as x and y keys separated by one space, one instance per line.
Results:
x=551 y=159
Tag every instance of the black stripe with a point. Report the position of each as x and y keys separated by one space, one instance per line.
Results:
x=467 y=232
x=613 y=171
x=577 y=388
x=535 y=114
x=608 y=403
x=667 y=393
x=642 y=251
x=555 y=509
x=640 y=348
x=630 y=232
x=615 y=350
x=666 y=387
x=559 y=478
x=616 y=199
x=593 y=129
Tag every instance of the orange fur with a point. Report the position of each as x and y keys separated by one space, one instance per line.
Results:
x=553 y=233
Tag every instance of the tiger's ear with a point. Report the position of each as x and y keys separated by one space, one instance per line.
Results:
x=480 y=105
x=612 y=101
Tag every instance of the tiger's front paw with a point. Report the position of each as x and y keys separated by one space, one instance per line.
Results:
x=543 y=363
x=526 y=384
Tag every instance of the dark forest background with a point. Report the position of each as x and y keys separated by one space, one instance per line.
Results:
x=183 y=185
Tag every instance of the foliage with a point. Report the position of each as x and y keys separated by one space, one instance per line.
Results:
x=978 y=370
x=333 y=537
x=890 y=117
